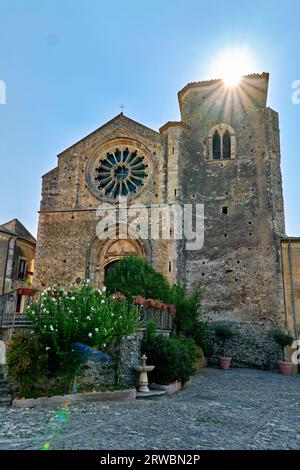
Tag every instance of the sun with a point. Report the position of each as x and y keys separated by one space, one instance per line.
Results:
x=231 y=65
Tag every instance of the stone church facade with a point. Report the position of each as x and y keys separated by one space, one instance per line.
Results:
x=225 y=154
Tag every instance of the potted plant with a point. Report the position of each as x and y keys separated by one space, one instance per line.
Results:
x=224 y=333
x=283 y=339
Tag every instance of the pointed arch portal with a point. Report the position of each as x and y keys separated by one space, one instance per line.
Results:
x=102 y=254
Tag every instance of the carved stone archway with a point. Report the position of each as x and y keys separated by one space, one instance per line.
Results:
x=103 y=252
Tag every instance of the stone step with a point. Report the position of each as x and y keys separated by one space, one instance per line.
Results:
x=4 y=390
x=5 y=401
x=151 y=395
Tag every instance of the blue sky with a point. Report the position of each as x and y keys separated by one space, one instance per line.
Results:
x=69 y=65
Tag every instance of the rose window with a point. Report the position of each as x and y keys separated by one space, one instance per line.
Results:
x=121 y=173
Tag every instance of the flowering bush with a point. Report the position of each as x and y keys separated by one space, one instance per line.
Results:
x=45 y=361
x=82 y=314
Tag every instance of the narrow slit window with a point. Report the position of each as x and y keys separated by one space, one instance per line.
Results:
x=216 y=146
x=226 y=145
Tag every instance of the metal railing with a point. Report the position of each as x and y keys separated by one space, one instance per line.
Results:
x=162 y=318
x=9 y=317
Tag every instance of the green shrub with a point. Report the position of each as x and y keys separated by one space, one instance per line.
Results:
x=187 y=318
x=82 y=314
x=35 y=370
x=134 y=276
x=282 y=339
x=223 y=333
x=47 y=360
x=174 y=358
x=27 y=358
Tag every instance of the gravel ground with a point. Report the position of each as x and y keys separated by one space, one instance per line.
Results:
x=236 y=409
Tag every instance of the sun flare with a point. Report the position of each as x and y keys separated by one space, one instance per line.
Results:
x=231 y=65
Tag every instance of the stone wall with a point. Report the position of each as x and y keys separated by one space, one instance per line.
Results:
x=290 y=248
x=96 y=373
x=251 y=346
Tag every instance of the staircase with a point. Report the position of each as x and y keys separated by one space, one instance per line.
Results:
x=5 y=397
x=10 y=319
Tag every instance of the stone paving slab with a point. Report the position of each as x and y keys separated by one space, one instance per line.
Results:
x=236 y=409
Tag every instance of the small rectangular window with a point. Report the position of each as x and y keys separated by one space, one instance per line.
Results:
x=225 y=210
x=170 y=266
x=22 y=269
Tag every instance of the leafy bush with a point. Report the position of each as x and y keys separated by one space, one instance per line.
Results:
x=26 y=357
x=82 y=314
x=61 y=318
x=134 y=276
x=36 y=372
x=282 y=339
x=223 y=333
x=174 y=358
x=187 y=318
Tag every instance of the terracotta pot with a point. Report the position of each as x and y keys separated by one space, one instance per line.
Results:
x=224 y=362
x=285 y=368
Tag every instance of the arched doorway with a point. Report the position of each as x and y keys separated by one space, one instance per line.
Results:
x=108 y=267
x=103 y=254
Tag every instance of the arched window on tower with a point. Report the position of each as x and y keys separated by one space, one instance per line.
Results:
x=226 y=145
x=221 y=143
x=216 y=146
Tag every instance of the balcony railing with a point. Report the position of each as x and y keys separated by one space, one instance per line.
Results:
x=11 y=319
x=162 y=318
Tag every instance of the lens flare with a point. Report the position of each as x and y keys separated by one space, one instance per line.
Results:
x=45 y=446
x=232 y=64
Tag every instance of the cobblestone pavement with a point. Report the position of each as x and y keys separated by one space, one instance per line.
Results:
x=238 y=409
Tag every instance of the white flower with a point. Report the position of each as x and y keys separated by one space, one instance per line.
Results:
x=104 y=344
x=47 y=348
x=103 y=301
x=88 y=317
x=97 y=329
x=72 y=298
x=51 y=328
x=90 y=334
x=87 y=281
x=104 y=289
